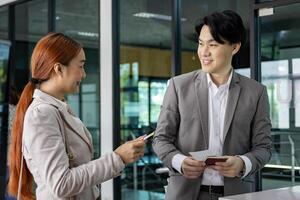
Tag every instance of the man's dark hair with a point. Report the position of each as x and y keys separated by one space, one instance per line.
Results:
x=224 y=26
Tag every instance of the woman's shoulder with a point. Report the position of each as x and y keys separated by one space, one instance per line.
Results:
x=41 y=121
x=40 y=109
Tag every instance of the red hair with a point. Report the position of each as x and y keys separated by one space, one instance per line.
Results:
x=51 y=49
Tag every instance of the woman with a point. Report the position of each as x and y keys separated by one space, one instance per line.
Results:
x=55 y=144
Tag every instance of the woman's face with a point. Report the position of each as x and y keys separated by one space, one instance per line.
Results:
x=74 y=73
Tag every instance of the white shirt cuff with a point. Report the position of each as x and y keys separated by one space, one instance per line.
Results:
x=248 y=165
x=177 y=162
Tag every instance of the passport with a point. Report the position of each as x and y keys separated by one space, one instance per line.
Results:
x=211 y=160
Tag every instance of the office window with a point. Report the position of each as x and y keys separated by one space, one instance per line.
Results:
x=145 y=67
x=31 y=20
x=296 y=92
x=81 y=22
x=4 y=22
x=280 y=56
x=4 y=56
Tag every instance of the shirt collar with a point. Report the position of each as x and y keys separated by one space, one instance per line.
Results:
x=49 y=99
x=226 y=85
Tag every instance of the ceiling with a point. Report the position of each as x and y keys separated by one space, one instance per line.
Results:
x=81 y=21
x=157 y=32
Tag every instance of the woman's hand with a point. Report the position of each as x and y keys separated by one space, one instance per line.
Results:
x=131 y=151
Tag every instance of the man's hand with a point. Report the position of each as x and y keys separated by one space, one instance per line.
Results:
x=231 y=168
x=192 y=168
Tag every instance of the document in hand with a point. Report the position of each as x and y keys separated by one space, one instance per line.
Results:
x=208 y=157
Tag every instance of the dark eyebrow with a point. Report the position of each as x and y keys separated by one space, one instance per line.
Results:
x=211 y=40
x=82 y=61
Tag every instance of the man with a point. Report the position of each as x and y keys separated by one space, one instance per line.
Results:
x=217 y=109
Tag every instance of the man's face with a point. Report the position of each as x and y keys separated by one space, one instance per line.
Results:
x=215 y=58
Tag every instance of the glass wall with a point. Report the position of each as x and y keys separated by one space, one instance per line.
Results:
x=280 y=56
x=145 y=67
x=73 y=18
x=31 y=20
x=4 y=49
x=81 y=22
x=4 y=113
x=4 y=22
x=4 y=106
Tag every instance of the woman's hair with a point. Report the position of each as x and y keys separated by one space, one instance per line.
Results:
x=51 y=49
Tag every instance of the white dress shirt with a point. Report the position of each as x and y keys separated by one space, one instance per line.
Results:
x=217 y=102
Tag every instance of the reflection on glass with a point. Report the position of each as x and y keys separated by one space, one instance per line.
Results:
x=244 y=72
x=158 y=89
x=275 y=77
x=80 y=21
x=4 y=54
x=296 y=92
x=145 y=57
x=31 y=20
x=4 y=22
x=280 y=59
x=143 y=90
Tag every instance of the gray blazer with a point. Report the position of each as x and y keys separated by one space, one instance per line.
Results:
x=45 y=152
x=183 y=127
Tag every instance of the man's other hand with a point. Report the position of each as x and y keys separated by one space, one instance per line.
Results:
x=231 y=168
x=192 y=168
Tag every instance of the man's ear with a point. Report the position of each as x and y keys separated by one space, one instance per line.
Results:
x=57 y=68
x=236 y=48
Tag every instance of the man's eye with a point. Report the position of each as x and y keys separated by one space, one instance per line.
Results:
x=213 y=45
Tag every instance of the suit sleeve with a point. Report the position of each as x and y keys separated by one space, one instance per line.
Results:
x=47 y=155
x=164 y=142
x=260 y=153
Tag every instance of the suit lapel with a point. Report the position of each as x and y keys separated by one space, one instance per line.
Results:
x=202 y=98
x=75 y=126
x=66 y=114
x=233 y=96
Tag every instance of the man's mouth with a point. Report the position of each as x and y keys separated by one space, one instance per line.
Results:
x=206 y=61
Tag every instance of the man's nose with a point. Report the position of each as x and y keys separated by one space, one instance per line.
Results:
x=205 y=51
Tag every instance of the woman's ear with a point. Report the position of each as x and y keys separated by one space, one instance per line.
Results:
x=57 y=68
x=236 y=48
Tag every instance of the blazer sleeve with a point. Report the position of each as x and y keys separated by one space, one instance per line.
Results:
x=164 y=142
x=47 y=154
x=260 y=153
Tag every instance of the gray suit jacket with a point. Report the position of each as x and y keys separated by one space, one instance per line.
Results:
x=44 y=150
x=183 y=127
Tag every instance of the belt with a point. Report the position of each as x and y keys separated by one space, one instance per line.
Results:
x=212 y=189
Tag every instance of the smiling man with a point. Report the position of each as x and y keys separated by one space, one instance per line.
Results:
x=218 y=109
